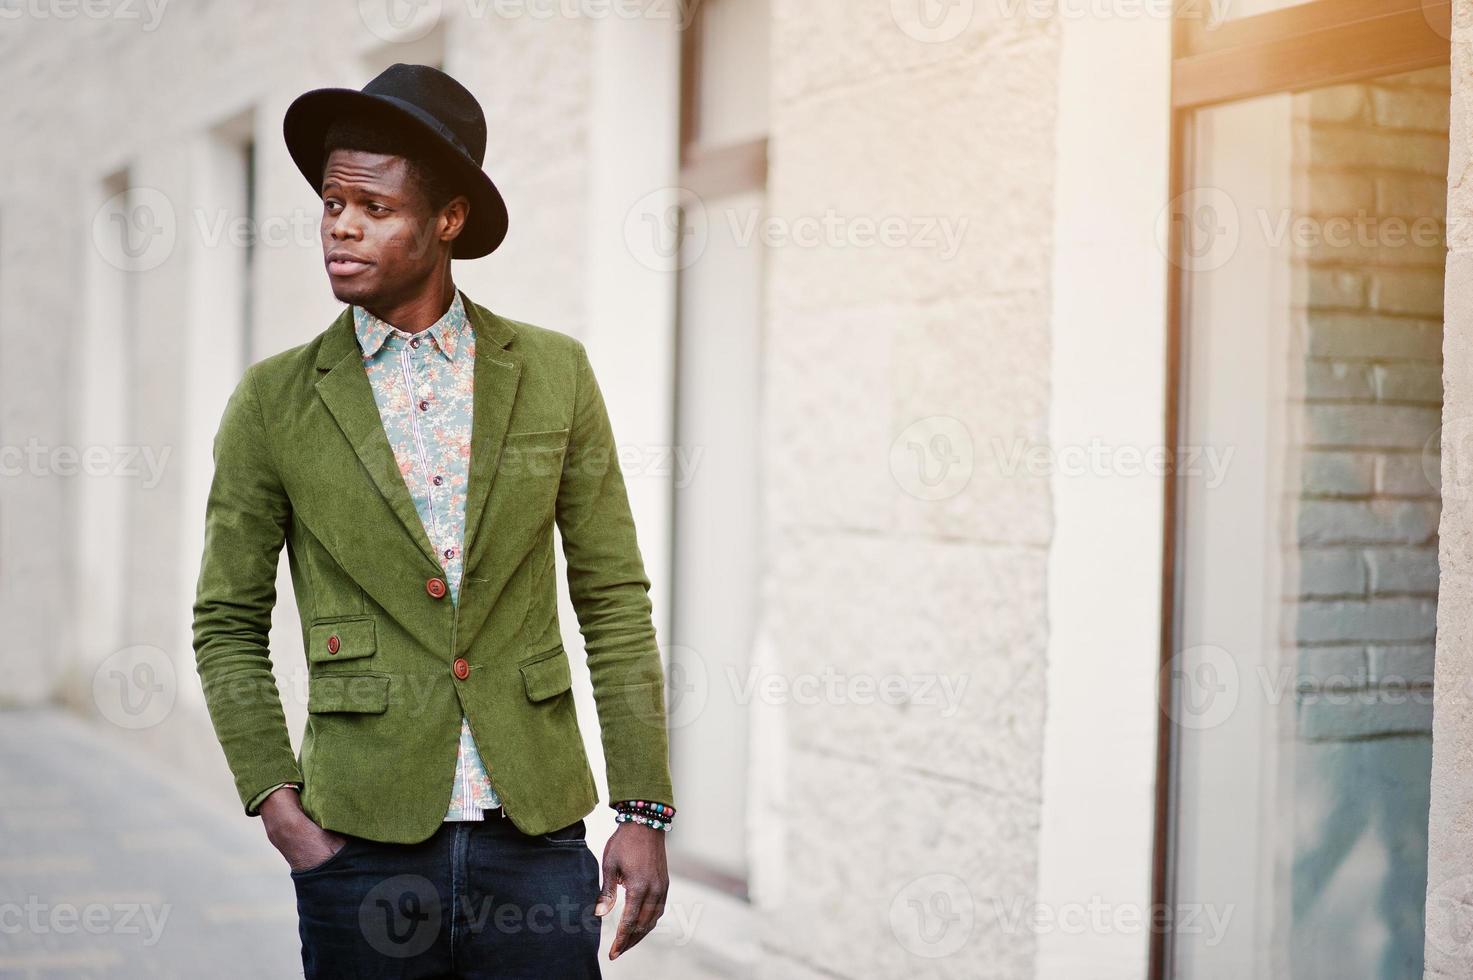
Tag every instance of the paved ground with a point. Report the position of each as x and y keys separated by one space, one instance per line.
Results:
x=109 y=869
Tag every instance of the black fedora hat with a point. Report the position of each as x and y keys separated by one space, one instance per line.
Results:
x=431 y=102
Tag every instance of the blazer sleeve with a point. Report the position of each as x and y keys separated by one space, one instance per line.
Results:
x=610 y=593
x=247 y=514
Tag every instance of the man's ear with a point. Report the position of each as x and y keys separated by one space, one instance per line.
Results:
x=453 y=217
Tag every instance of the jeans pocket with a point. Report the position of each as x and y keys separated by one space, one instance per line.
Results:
x=573 y=835
x=322 y=865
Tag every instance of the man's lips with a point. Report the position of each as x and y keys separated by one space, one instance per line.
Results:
x=346 y=265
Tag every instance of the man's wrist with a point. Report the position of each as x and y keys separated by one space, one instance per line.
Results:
x=280 y=802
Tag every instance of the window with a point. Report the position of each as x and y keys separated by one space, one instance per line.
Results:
x=1308 y=234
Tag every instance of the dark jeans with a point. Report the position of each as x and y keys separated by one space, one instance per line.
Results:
x=474 y=900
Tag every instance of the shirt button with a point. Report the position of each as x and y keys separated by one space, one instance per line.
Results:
x=424 y=405
x=414 y=342
x=435 y=587
x=449 y=552
x=462 y=669
x=439 y=479
x=333 y=643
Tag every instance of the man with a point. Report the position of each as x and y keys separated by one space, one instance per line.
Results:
x=414 y=459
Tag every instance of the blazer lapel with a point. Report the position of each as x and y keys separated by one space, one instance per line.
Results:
x=346 y=391
x=498 y=373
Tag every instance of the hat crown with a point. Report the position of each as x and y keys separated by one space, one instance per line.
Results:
x=442 y=98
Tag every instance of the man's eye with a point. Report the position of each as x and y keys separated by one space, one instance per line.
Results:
x=331 y=205
x=378 y=209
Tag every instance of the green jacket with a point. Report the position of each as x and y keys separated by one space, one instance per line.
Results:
x=301 y=459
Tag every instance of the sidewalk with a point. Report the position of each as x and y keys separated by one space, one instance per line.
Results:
x=110 y=868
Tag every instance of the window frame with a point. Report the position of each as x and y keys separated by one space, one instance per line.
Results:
x=1304 y=46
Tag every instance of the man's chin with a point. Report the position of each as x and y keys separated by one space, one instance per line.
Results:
x=351 y=291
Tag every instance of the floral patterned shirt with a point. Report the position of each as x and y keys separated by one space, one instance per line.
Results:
x=423 y=383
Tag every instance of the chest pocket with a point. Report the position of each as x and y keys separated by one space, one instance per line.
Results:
x=534 y=455
x=333 y=640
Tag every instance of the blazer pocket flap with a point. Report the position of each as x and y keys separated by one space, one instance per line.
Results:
x=341 y=639
x=532 y=442
x=363 y=693
x=548 y=677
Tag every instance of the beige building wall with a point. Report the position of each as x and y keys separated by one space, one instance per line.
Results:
x=898 y=544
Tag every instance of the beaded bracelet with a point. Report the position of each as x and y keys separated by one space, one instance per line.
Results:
x=626 y=817
x=655 y=815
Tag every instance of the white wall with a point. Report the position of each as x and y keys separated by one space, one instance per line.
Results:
x=1104 y=580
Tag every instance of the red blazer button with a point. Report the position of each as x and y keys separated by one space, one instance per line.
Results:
x=435 y=587
x=462 y=669
x=333 y=643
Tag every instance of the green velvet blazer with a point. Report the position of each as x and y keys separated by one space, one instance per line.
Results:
x=301 y=459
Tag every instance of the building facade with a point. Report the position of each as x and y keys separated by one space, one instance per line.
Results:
x=1052 y=489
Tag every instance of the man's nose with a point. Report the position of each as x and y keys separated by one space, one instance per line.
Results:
x=345 y=227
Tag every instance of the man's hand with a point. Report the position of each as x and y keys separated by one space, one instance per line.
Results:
x=635 y=858
x=294 y=834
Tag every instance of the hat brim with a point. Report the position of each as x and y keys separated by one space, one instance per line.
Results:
x=309 y=116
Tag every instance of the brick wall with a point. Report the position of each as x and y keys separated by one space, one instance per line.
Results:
x=1362 y=589
x=1369 y=160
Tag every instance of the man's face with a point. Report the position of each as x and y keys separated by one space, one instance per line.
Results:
x=381 y=240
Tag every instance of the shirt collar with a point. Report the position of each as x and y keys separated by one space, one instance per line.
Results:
x=448 y=332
